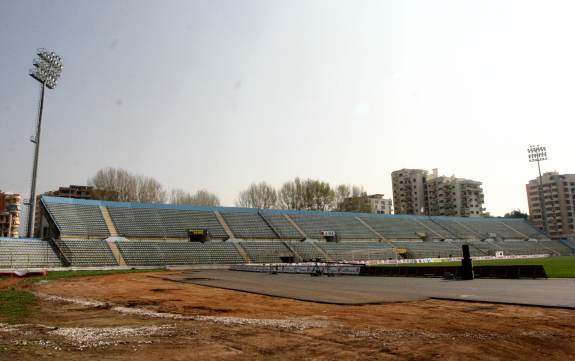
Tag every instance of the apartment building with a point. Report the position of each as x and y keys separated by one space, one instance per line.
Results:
x=416 y=191
x=10 y=206
x=559 y=201
x=409 y=191
x=379 y=204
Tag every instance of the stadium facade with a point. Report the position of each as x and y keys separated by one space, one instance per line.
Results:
x=79 y=232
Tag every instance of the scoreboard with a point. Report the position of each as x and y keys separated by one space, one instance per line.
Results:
x=198 y=234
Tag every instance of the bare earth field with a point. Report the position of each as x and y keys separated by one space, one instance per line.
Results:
x=140 y=316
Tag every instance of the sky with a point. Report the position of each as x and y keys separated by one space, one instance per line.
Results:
x=219 y=94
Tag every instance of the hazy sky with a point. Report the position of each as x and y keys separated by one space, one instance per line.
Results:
x=218 y=94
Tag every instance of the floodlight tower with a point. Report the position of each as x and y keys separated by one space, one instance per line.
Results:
x=47 y=69
x=538 y=153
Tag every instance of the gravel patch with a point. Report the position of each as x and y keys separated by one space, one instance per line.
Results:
x=89 y=337
x=288 y=324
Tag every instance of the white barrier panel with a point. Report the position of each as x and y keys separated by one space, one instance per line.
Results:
x=452 y=259
x=308 y=268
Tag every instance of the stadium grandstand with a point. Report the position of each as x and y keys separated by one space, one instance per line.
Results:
x=81 y=233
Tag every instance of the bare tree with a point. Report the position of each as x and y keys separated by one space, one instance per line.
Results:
x=179 y=196
x=201 y=197
x=260 y=195
x=290 y=195
x=118 y=184
x=150 y=190
x=307 y=194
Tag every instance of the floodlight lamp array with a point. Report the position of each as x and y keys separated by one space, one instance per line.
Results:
x=47 y=68
x=537 y=153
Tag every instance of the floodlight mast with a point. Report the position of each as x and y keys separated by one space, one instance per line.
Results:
x=538 y=153
x=47 y=70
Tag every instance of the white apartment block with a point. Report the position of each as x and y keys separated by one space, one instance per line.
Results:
x=379 y=204
x=416 y=191
x=559 y=200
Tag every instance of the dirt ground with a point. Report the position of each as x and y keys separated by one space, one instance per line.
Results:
x=143 y=317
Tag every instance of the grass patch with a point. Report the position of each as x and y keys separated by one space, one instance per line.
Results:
x=15 y=304
x=555 y=267
x=55 y=275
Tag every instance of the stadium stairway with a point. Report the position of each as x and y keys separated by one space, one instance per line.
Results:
x=429 y=229
x=551 y=250
x=442 y=226
x=481 y=251
x=381 y=237
x=270 y=225
x=298 y=257
x=568 y=243
x=296 y=226
x=467 y=228
x=515 y=230
x=58 y=251
x=322 y=251
x=116 y=252
x=242 y=252
x=225 y=226
x=109 y=223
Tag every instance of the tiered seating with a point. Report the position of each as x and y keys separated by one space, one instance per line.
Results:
x=163 y=223
x=458 y=228
x=27 y=253
x=87 y=252
x=557 y=248
x=158 y=253
x=481 y=248
x=345 y=227
x=78 y=220
x=436 y=230
x=248 y=225
x=519 y=247
x=485 y=226
x=569 y=243
x=281 y=225
x=358 y=251
x=137 y=222
x=177 y=221
x=396 y=228
x=435 y=249
x=266 y=252
x=522 y=226
x=307 y=250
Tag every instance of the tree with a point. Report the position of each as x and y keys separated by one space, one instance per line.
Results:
x=516 y=213
x=116 y=184
x=201 y=197
x=291 y=195
x=317 y=195
x=342 y=192
x=307 y=194
x=260 y=195
x=352 y=198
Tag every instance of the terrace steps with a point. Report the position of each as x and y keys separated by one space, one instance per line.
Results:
x=108 y=220
x=381 y=237
x=225 y=226
x=296 y=226
x=116 y=252
x=242 y=252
